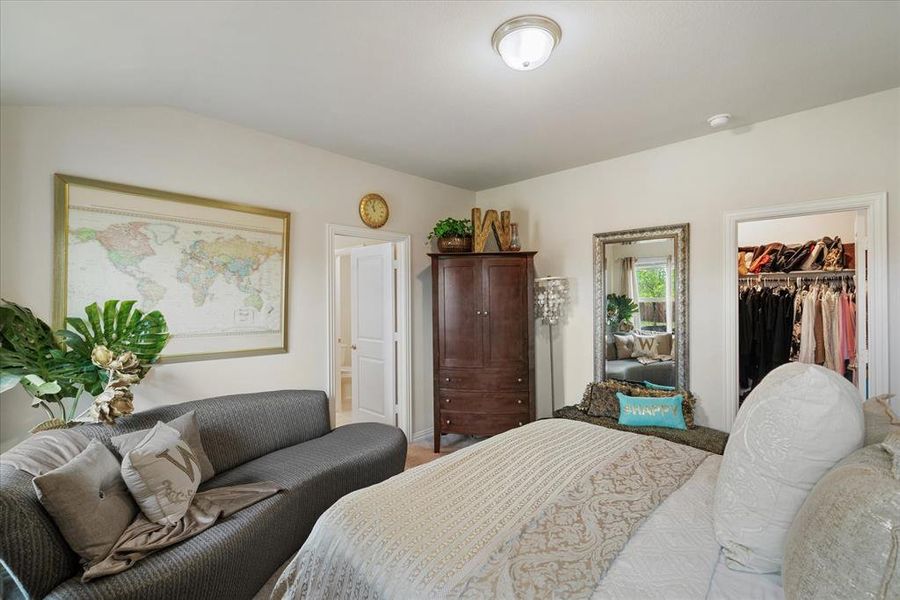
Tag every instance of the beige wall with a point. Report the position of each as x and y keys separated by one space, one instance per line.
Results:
x=836 y=150
x=182 y=152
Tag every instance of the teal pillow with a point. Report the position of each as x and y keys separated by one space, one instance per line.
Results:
x=656 y=386
x=651 y=412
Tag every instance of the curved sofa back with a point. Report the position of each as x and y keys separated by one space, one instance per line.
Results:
x=236 y=429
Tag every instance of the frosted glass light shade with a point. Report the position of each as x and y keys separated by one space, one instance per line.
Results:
x=525 y=43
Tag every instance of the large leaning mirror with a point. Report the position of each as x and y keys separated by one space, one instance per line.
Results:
x=641 y=305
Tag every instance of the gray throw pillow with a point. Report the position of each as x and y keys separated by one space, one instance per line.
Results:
x=45 y=451
x=186 y=425
x=843 y=543
x=162 y=474
x=880 y=419
x=88 y=501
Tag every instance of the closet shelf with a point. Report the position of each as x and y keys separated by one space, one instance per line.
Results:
x=790 y=274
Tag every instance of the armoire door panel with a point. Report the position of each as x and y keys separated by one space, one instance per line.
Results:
x=460 y=313
x=505 y=312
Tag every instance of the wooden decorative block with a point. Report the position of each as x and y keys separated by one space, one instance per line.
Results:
x=492 y=221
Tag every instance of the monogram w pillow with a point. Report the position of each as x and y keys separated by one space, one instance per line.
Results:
x=163 y=474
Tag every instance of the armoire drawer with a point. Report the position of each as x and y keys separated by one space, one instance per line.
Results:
x=472 y=423
x=484 y=379
x=456 y=400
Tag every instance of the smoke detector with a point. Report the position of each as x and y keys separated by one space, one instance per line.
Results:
x=720 y=120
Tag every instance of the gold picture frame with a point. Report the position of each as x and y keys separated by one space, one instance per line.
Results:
x=91 y=196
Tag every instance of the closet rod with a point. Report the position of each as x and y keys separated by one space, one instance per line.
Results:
x=789 y=274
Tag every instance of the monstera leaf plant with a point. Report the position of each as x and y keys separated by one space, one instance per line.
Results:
x=102 y=355
x=619 y=309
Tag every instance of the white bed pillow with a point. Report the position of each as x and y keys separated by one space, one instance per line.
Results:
x=797 y=424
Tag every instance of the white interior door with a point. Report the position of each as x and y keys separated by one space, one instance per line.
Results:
x=372 y=333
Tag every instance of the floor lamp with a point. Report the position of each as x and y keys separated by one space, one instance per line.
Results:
x=551 y=296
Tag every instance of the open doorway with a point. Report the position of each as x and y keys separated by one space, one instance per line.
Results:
x=808 y=283
x=368 y=326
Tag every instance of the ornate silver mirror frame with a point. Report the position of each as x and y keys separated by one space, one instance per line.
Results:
x=680 y=234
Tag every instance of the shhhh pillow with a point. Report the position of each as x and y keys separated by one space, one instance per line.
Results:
x=162 y=473
x=795 y=426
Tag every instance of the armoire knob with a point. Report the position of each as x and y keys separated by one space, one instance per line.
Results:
x=520 y=423
x=447 y=400
x=519 y=380
x=477 y=312
x=448 y=422
x=448 y=379
x=519 y=401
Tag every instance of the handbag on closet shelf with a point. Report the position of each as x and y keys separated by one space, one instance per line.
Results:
x=798 y=257
x=834 y=260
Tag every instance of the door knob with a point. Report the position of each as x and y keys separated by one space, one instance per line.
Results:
x=353 y=347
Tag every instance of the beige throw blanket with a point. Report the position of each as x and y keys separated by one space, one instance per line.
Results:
x=537 y=511
x=144 y=537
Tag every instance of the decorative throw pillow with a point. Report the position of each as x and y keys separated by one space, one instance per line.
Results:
x=655 y=386
x=891 y=445
x=600 y=399
x=624 y=344
x=645 y=346
x=880 y=419
x=45 y=451
x=187 y=427
x=651 y=412
x=843 y=542
x=88 y=501
x=664 y=342
x=162 y=474
x=795 y=425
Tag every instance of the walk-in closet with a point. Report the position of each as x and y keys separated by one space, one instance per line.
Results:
x=802 y=296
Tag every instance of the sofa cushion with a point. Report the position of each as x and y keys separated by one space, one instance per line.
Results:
x=235 y=557
x=237 y=428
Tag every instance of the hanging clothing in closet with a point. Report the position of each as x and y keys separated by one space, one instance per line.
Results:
x=781 y=323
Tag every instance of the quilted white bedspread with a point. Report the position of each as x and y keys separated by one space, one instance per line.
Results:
x=541 y=511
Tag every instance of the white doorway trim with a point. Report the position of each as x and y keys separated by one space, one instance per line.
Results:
x=875 y=207
x=404 y=317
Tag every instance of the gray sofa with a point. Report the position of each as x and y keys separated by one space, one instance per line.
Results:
x=281 y=436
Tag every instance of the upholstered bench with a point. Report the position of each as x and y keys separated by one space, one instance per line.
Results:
x=711 y=440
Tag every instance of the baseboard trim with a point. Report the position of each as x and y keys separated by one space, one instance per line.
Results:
x=423 y=435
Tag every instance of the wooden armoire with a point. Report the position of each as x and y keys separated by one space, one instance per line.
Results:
x=483 y=316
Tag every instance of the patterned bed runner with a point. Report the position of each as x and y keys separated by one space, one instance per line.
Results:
x=540 y=511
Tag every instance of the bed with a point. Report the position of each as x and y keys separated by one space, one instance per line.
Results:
x=557 y=508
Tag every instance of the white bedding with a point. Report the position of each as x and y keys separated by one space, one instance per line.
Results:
x=674 y=555
x=555 y=509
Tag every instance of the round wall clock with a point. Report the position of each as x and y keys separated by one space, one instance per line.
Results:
x=373 y=210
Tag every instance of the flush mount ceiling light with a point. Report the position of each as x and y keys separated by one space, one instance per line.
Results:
x=525 y=43
x=717 y=121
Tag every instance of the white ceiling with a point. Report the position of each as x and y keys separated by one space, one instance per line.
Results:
x=417 y=87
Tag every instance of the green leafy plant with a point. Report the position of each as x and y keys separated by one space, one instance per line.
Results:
x=115 y=345
x=619 y=309
x=451 y=227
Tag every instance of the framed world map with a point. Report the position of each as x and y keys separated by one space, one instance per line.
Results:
x=216 y=270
